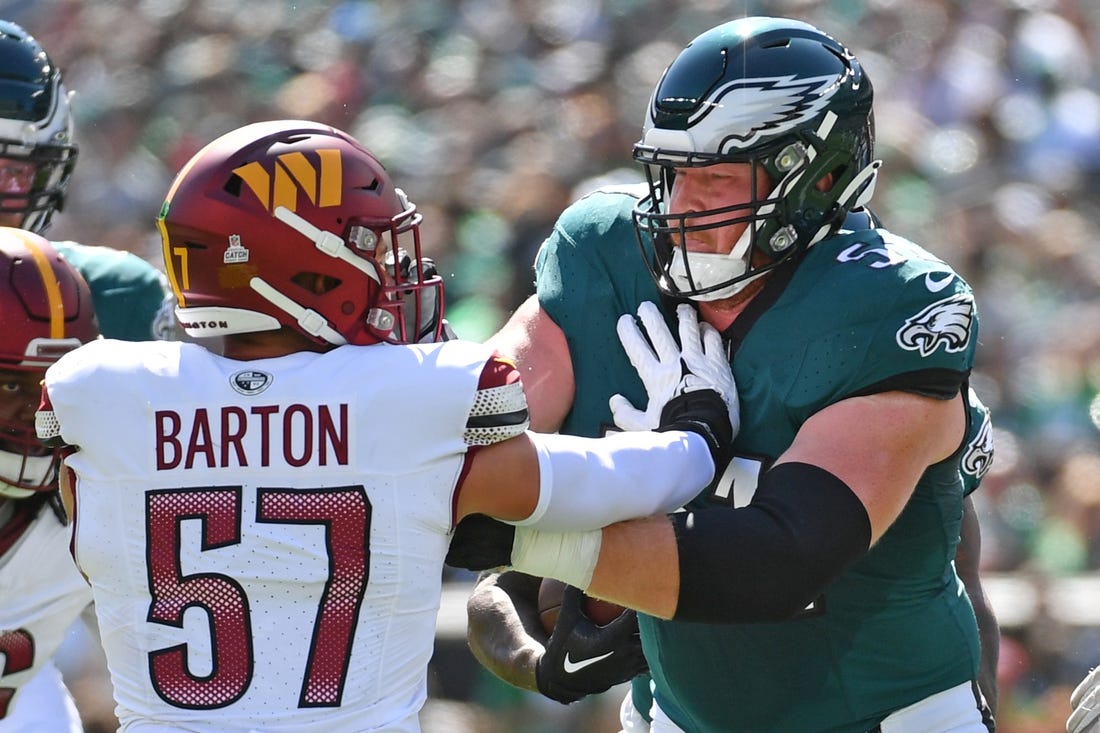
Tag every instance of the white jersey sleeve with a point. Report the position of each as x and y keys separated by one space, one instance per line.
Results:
x=265 y=539
x=41 y=594
x=499 y=411
x=44 y=705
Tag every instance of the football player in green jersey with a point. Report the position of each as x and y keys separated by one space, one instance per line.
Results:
x=37 y=156
x=829 y=590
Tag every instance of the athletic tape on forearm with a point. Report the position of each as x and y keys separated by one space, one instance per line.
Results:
x=586 y=483
x=568 y=556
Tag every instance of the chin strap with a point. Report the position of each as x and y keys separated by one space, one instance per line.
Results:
x=32 y=470
x=332 y=245
x=329 y=243
x=308 y=320
x=865 y=178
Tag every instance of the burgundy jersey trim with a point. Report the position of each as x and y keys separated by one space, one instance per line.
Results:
x=499 y=411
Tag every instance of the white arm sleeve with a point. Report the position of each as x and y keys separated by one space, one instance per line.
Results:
x=585 y=483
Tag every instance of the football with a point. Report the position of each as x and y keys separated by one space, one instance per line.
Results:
x=550 y=593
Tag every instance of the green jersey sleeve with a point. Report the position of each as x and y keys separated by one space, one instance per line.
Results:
x=872 y=312
x=127 y=291
x=588 y=272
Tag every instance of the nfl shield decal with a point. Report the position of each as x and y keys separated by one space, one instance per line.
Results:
x=250 y=381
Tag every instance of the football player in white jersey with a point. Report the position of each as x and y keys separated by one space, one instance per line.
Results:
x=46 y=310
x=263 y=513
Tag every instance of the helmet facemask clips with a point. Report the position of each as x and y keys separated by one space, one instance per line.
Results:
x=409 y=301
x=774 y=94
x=774 y=223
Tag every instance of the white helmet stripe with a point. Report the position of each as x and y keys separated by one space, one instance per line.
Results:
x=329 y=243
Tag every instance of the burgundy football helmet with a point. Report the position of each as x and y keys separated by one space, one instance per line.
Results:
x=295 y=224
x=46 y=309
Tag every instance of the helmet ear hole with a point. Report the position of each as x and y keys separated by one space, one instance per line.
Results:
x=317 y=283
x=826 y=182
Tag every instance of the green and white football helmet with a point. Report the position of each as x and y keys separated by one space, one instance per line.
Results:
x=774 y=92
x=35 y=132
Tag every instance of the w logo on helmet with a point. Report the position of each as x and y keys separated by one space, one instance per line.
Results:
x=295 y=173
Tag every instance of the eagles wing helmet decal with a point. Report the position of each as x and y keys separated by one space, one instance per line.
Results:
x=947 y=322
x=763 y=107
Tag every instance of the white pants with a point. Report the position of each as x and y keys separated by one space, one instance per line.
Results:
x=950 y=711
x=43 y=704
x=629 y=718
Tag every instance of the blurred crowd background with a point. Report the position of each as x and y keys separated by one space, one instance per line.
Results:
x=495 y=114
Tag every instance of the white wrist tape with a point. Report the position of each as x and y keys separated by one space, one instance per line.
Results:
x=585 y=483
x=568 y=556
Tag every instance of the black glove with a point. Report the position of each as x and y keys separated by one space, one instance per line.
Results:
x=431 y=302
x=705 y=412
x=582 y=658
x=481 y=543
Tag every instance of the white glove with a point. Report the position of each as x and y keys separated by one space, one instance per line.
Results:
x=658 y=365
x=1085 y=702
x=667 y=371
x=706 y=357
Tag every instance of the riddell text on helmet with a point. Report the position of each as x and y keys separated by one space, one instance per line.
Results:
x=232 y=436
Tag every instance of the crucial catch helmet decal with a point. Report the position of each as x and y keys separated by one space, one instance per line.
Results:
x=946 y=322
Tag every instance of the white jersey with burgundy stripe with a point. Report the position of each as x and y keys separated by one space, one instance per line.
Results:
x=43 y=594
x=265 y=539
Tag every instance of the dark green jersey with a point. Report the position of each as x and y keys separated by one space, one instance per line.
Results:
x=126 y=290
x=863 y=312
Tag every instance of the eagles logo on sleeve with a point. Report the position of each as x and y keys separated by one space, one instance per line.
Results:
x=946 y=322
x=979 y=451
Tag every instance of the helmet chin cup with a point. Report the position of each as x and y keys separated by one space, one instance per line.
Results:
x=21 y=475
x=712 y=272
x=7 y=491
x=700 y=275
